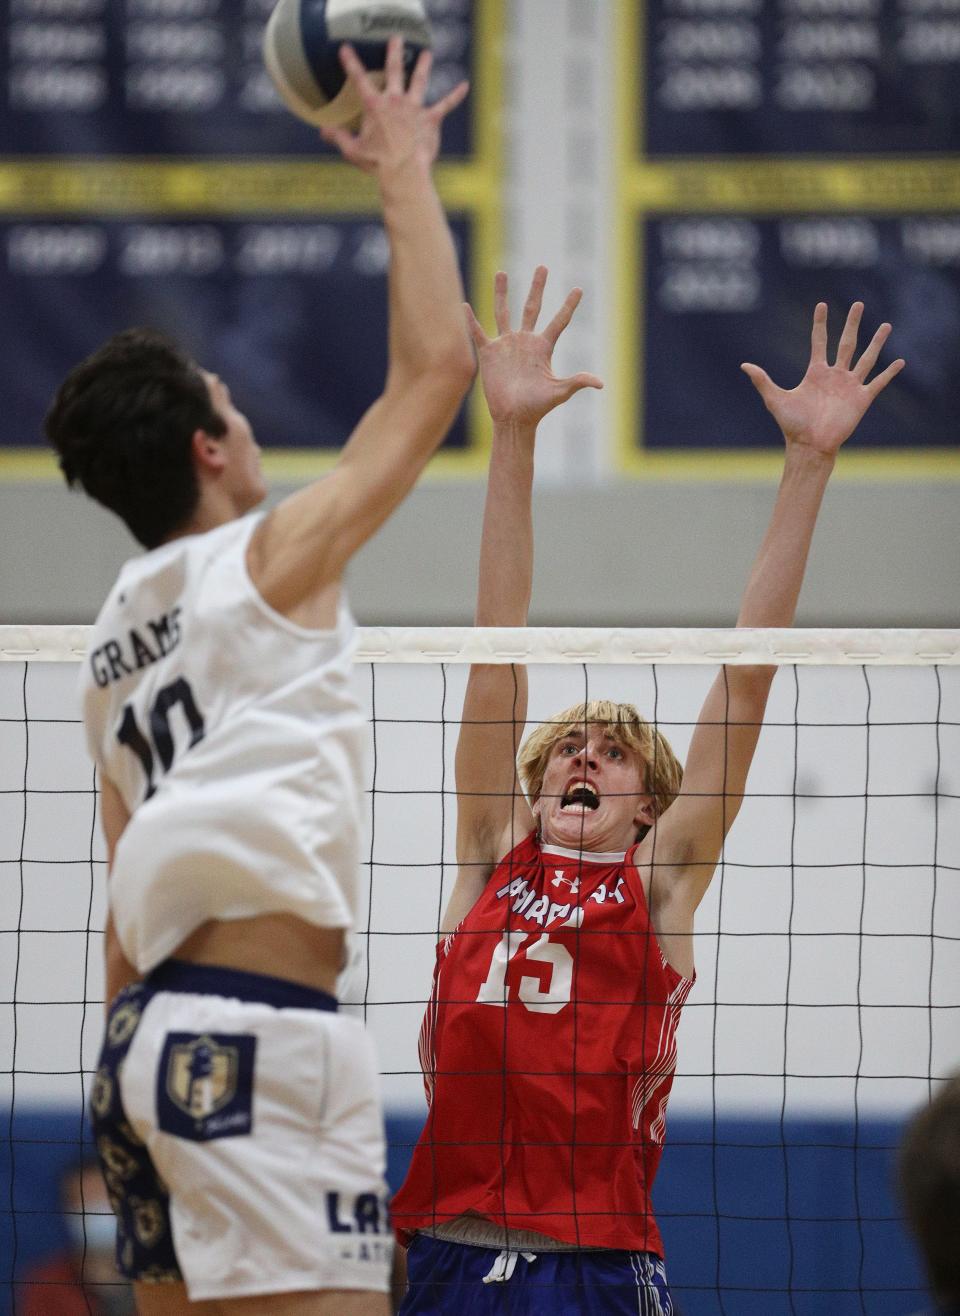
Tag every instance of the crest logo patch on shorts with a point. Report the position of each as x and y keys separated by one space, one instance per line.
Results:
x=205 y=1085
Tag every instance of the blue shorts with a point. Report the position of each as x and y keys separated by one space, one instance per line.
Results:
x=476 y=1281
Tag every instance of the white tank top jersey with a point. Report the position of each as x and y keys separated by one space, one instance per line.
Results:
x=236 y=741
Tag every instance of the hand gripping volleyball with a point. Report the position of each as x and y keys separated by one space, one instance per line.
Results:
x=301 y=49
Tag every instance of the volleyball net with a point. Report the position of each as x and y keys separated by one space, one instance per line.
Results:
x=827 y=1005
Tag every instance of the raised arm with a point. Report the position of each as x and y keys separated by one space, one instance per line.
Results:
x=816 y=419
x=520 y=389
x=303 y=546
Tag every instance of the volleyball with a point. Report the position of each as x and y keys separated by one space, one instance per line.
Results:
x=302 y=51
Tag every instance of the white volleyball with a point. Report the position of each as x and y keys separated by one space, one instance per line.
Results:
x=302 y=43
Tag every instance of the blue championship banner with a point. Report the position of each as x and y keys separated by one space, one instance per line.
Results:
x=291 y=312
x=776 y=153
x=804 y=77
x=723 y=289
x=150 y=175
x=166 y=77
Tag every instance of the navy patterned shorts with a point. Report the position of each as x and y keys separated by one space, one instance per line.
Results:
x=138 y=1195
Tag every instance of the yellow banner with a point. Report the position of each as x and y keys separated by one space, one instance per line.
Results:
x=788 y=186
x=210 y=187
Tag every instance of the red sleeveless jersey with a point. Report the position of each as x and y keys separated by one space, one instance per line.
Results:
x=548 y=1051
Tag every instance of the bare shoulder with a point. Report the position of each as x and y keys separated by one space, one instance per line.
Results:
x=676 y=861
x=472 y=878
x=672 y=851
x=492 y=818
x=476 y=865
x=668 y=844
x=283 y=562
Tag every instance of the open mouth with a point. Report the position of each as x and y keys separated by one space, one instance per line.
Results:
x=581 y=797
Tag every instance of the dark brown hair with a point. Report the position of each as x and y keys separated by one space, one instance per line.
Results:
x=122 y=423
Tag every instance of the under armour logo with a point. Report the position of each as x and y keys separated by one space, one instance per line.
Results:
x=574 y=885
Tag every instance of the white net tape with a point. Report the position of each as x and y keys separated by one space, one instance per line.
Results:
x=803 y=647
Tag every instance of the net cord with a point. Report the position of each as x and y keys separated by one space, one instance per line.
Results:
x=440 y=644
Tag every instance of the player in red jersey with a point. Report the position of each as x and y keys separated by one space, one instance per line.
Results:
x=549 y=1044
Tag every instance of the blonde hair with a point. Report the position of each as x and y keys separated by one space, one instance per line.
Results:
x=664 y=770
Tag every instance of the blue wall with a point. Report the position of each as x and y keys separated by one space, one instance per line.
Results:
x=758 y=1220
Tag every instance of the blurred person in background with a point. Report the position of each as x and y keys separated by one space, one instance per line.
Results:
x=80 y=1280
x=930 y=1190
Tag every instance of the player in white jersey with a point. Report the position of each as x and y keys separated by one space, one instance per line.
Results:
x=235 y=1111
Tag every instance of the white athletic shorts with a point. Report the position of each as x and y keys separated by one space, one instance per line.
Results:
x=238 y=1122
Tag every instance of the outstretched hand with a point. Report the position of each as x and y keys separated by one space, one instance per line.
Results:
x=515 y=367
x=397 y=126
x=826 y=406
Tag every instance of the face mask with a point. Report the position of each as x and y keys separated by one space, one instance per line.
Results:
x=96 y=1233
